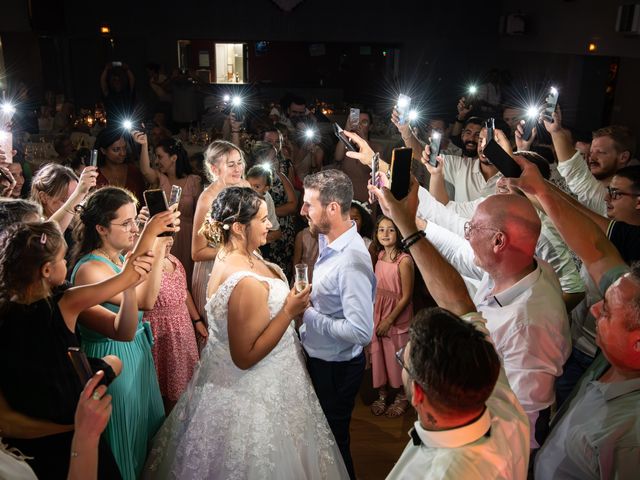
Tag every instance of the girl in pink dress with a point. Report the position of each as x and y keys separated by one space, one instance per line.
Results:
x=173 y=319
x=392 y=316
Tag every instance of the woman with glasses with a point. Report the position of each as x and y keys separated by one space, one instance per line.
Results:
x=106 y=230
x=113 y=165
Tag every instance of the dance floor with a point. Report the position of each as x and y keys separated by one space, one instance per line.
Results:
x=376 y=442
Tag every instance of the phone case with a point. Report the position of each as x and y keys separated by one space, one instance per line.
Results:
x=93 y=160
x=176 y=194
x=80 y=364
x=343 y=138
x=434 y=146
x=156 y=202
x=551 y=102
x=502 y=160
x=404 y=103
x=400 y=172
x=529 y=124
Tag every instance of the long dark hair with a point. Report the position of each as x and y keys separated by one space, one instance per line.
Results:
x=24 y=248
x=105 y=139
x=173 y=147
x=99 y=209
x=376 y=243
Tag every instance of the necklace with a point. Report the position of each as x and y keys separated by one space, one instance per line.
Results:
x=249 y=257
x=104 y=253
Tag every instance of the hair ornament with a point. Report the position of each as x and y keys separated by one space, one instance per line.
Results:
x=43 y=239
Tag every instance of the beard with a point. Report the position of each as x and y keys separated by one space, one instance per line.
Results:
x=323 y=226
x=470 y=149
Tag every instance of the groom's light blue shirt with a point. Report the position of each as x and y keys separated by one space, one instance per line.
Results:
x=340 y=322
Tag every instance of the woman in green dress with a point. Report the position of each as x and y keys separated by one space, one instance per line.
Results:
x=107 y=228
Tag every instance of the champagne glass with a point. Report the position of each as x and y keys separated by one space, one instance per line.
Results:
x=302 y=276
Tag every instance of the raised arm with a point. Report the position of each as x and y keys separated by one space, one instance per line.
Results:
x=200 y=249
x=65 y=214
x=443 y=282
x=408 y=137
x=150 y=174
x=579 y=232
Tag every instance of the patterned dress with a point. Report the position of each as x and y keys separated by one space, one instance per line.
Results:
x=281 y=250
x=175 y=352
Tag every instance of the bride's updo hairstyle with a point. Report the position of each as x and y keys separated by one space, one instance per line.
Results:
x=233 y=204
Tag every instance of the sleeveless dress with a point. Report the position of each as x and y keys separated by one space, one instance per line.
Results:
x=264 y=422
x=383 y=349
x=281 y=250
x=187 y=206
x=138 y=410
x=175 y=351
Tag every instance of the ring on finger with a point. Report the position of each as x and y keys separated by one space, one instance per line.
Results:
x=96 y=395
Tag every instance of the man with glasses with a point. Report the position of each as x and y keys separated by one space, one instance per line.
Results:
x=595 y=433
x=470 y=424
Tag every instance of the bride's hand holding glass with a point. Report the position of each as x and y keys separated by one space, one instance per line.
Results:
x=296 y=303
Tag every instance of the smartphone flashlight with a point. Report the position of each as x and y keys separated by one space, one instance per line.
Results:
x=403 y=101
x=226 y=98
x=8 y=108
x=553 y=91
x=309 y=133
x=533 y=112
x=472 y=90
x=413 y=115
x=266 y=166
x=236 y=101
x=127 y=125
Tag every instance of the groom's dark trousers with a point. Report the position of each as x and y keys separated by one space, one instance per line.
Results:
x=337 y=384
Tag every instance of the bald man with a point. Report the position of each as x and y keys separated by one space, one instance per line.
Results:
x=518 y=294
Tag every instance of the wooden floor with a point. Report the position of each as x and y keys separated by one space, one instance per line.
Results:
x=376 y=442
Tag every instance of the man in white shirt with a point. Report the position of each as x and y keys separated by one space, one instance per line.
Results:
x=470 y=425
x=519 y=295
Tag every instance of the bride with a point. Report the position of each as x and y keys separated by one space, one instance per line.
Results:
x=250 y=411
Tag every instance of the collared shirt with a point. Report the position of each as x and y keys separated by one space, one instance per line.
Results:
x=589 y=191
x=595 y=434
x=494 y=446
x=340 y=322
x=550 y=246
x=528 y=324
x=464 y=174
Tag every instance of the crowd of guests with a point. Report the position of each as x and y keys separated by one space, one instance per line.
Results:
x=529 y=364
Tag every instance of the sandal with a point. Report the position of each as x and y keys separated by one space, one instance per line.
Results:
x=379 y=406
x=398 y=408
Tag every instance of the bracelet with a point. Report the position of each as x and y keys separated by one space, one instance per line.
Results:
x=197 y=320
x=409 y=240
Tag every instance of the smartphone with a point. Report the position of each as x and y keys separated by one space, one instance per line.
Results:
x=550 y=104
x=404 y=103
x=156 y=202
x=176 y=193
x=490 y=124
x=80 y=364
x=343 y=138
x=116 y=64
x=93 y=160
x=6 y=145
x=400 y=172
x=502 y=160
x=375 y=166
x=434 y=146
x=354 y=118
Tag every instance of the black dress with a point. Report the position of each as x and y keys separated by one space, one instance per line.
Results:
x=38 y=380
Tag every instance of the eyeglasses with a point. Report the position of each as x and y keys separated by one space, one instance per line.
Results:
x=615 y=194
x=128 y=225
x=468 y=228
x=400 y=360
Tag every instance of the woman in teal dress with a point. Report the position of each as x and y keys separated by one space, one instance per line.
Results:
x=107 y=228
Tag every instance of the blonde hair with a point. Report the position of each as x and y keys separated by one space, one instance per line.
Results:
x=217 y=152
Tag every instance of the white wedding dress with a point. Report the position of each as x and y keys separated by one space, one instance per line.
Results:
x=261 y=423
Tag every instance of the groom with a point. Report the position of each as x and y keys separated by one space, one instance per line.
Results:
x=340 y=321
